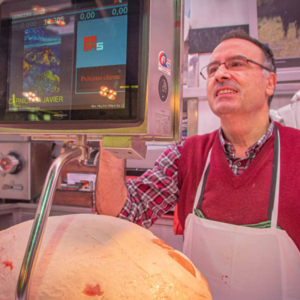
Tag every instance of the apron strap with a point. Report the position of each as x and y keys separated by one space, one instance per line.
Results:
x=275 y=182
x=200 y=190
x=274 y=176
x=274 y=190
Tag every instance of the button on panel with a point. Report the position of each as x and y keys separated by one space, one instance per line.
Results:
x=18 y=187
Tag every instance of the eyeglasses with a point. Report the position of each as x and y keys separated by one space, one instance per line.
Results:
x=237 y=63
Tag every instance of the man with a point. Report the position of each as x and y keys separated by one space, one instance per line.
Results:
x=234 y=187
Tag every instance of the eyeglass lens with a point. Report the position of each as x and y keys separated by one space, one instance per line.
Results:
x=236 y=63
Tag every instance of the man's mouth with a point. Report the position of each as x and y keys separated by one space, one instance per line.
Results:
x=226 y=91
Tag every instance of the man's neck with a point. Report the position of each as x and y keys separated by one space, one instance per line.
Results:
x=243 y=133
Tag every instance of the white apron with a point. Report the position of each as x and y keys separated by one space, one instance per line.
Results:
x=244 y=263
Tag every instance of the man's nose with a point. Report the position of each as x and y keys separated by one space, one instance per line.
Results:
x=222 y=73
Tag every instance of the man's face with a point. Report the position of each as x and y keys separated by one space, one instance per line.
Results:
x=238 y=92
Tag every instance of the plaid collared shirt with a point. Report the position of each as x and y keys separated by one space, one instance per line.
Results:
x=239 y=165
x=156 y=191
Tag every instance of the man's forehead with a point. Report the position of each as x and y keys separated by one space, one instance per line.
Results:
x=234 y=47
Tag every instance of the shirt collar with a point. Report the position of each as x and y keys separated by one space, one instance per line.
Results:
x=255 y=148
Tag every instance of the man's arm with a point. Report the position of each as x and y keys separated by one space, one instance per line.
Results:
x=148 y=197
x=111 y=191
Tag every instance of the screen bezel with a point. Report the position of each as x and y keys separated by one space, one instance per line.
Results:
x=132 y=115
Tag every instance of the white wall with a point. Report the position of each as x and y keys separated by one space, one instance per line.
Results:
x=215 y=13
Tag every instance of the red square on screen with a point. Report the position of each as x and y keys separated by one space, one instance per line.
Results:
x=86 y=39
x=93 y=39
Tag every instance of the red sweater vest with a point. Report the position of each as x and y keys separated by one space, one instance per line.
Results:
x=243 y=199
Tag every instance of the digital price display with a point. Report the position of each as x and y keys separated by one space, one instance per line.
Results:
x=74 y=62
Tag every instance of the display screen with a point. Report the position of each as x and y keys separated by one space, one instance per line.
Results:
x=72 y=61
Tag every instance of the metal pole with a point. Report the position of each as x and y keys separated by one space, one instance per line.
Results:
x=40 y=221
x=192 y=117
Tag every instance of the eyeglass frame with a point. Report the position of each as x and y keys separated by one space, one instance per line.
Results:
x=224 y=63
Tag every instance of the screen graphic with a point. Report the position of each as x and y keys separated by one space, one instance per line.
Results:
x=72 y=60
x=101 y=60
x=41 y=64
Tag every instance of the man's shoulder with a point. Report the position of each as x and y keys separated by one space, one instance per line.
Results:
x=289 y=143
x=192 y=142
x=198 y=146
x=288 y=133
x=201 y=139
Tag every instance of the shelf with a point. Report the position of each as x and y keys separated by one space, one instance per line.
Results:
x=74 y=198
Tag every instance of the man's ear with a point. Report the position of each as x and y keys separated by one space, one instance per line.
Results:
x=271 y=83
